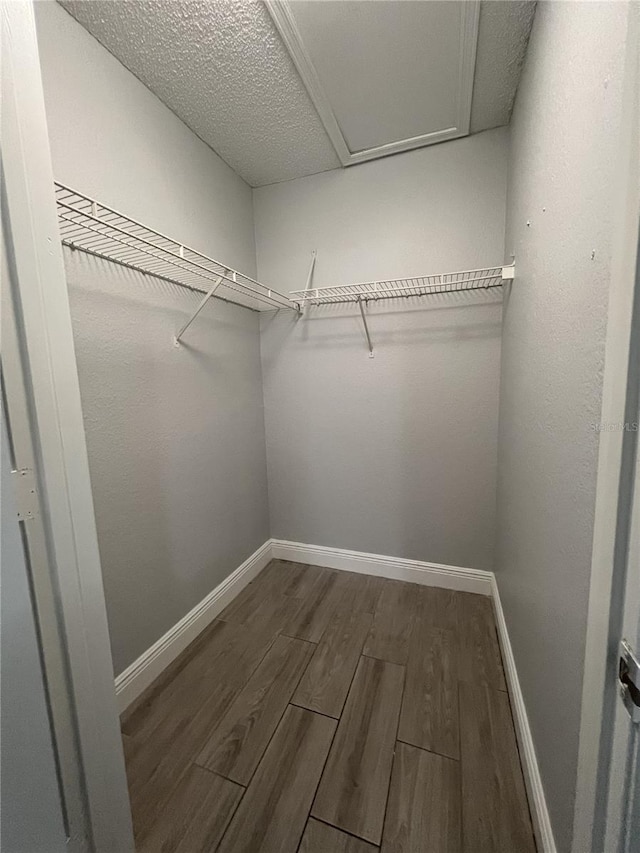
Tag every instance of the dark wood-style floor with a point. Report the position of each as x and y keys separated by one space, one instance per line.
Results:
x=329 y=712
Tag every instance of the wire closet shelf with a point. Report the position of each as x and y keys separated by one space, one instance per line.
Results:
x=403 y=288
x=92 y=227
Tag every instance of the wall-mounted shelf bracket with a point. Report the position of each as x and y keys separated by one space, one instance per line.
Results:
x=203 y=302
x=509 y=272
x=366 y=327
x=307 y=286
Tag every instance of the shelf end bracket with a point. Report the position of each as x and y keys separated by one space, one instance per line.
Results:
x=508 y=272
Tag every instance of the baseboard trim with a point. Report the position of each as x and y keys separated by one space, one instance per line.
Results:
x=535 y=792
x=139 y=675
x=397 y=568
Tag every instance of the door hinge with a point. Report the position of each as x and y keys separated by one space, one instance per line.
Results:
x=629 y=680
x=26 y=493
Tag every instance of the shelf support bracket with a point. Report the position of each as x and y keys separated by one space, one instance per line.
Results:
x=366 y=328
x=508 y=272
x=307 y=286
x=203 y=302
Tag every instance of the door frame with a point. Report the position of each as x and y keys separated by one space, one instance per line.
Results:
x=42 y=397
x=614 y=489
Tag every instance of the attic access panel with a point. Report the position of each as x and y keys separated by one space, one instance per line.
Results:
x=384 y=76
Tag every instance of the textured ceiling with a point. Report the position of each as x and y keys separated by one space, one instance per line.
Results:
x=222 y=68
x=502 y=45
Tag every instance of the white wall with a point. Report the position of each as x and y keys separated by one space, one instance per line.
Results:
x=559 y=211
x=175 y=436
x=395 y=454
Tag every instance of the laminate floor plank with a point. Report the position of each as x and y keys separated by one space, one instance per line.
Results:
x=182 y=698
x=245 y=604
x=392 y=623
x=160 y=753
x=353 y=791
x=437 y=608
x=226 y=644
x=273 y=812
x=328 y=596
x=137 y=713
x=480 y=659
x=275 y=730
x=424 y=809
x=195 y=816
x=326 y=681
x=429 y=715
x=364 y=591
x=238 y=743
x=302 y=581
x=369 y=593
x=495 y=811
x=284 y=577
x=320 y=838
x=258 y=596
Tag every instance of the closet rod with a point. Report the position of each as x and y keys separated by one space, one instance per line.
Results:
x=97 y=229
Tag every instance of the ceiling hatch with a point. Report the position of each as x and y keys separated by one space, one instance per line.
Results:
x=384 y=76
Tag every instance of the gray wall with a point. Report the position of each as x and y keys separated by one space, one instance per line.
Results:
x=559 y=211
x=395 y=454
x=175 y=436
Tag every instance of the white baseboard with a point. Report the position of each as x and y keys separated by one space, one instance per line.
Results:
x=414 y=571
x=139 y=675
x=535 y=791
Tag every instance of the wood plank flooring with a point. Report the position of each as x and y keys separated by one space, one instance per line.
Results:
x=331 y=712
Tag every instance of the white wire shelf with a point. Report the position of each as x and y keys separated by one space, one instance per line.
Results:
x=399 y=288
x=403 y=288
x=92 y=227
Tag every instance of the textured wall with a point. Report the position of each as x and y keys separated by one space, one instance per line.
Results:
x=175 y=437
x=563 y=145
x=175 y=440
x=395 y=454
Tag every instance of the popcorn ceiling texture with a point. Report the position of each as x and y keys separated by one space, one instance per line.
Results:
x=223 y=69
x=502 y=46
